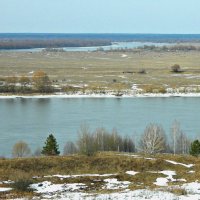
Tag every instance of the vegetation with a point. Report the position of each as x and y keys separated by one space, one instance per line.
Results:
x=176 y=68
x=51 y=146
x=153 y=140
x=195 y=148
x=101 y=163
x=50 y=43
x=101 y=140
x=42 y=82
x=21 y=149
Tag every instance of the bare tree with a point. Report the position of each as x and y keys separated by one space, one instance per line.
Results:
x=85 y=141
x=183 y=144
x=153 y=139
x=180 y=142
x=70 y=148
x=21 y=149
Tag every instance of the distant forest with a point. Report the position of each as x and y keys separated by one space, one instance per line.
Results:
x=59 y=40
x=50 y=43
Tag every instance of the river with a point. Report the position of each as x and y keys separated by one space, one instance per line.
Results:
x=33 y=119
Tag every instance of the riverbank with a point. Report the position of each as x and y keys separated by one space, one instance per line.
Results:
x=93 y=95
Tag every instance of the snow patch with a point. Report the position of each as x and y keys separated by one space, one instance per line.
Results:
x=133 y=173
x=5 y=189
x=123 y=55
x=164 y=181
x=114 y=184
x=79 y=175
x=48 y=187
x=177 y=163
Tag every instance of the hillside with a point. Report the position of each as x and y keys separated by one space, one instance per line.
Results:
x=103 y=176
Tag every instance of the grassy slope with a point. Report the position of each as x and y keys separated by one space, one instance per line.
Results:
x=26 y=168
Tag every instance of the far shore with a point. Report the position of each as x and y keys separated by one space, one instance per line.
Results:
x=92 y=95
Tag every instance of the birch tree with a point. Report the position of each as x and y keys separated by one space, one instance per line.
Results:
x=153 y=139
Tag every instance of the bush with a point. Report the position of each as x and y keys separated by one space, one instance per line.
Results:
x=142 y=71
x=22 y=185
x=176 y=68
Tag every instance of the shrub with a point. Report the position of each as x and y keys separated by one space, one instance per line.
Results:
x=176 y=68
x=142 y=71
x=22 y=185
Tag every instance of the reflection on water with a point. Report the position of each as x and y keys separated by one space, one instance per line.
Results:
x=32 y=120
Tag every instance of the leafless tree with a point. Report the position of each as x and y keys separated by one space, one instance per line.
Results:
x=85 y=141
x=70 y=148
x=183 y=144
x=21 y=149
x=153 y=139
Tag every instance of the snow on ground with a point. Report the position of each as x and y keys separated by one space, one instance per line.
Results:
x=124 y=195
x=192 y=188
x=114 y=184
x=75 y=191
x=123 y=55
x=164 y=181
x=47 y=187
x=136 y=156
x=191 y=172
x=129 y=94
x=6 y=182
x=177 y=163
x=133 y=173
x=3 y=189
x=79 y=175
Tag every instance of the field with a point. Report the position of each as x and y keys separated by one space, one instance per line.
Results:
x=101 y=174
x=108 y=70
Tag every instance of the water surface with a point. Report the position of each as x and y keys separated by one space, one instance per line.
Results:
x=33 y=119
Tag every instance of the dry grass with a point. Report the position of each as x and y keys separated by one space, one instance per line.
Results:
x=101 y=163
x=102 y=69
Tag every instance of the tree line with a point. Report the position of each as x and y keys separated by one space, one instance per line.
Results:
x=152 y=141
x=50 y=43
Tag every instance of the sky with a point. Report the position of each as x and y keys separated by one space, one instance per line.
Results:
x=99 y=16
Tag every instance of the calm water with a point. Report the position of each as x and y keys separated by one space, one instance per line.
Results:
x=32 y=120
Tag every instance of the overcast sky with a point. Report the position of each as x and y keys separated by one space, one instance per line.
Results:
x=100 y=16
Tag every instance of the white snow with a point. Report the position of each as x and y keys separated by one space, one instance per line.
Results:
x=123 y=55
x=129 y=94
x=5 y=189
x=161 y=182
x=177 y=163
x=192 y=188
x=132 y=173
x=48 y=187
x=79 y=175
x=6 y=182
x=191 y=172
x=164 y=181
x=71 y=191
x=114 y=184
